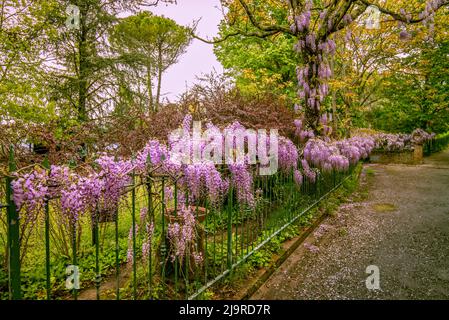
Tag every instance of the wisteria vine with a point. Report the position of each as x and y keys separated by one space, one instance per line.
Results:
x=104 y=184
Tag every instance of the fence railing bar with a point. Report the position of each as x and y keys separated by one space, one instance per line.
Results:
x=263 y=243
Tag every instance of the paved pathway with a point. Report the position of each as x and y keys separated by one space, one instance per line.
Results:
x=398 y=221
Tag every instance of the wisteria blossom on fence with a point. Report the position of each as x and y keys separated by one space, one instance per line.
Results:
x=102 y=187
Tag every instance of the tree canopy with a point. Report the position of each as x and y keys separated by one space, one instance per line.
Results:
x=150 y=45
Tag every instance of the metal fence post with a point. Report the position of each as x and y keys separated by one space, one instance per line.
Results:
x=134 y=244
x=13 y=235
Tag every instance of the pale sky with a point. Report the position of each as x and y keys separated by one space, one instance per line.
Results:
x=199 y=58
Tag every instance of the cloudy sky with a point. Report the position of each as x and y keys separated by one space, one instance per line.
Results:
x=200 y=57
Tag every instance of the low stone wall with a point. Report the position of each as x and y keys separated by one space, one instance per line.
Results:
x=413 y=157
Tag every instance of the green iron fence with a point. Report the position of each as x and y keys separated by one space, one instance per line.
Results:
x=437 y=144
x=102 y=256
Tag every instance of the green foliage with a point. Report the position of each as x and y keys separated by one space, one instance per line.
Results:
x=34 y=274
x=3 y=284
x=206 y=295
x=260 y=64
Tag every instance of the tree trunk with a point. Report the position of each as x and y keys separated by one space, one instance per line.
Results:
x=83 y=67
x=159 y=78
x=312 y=119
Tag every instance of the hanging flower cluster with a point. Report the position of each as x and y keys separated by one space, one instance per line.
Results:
x=324 y=121
x=113 y=176
x=182 y=235
x=288 y=155
x=203 y=179
x=242 y=180
x=146 y=245
x=356 y=148
x=30 y=191
x=130 y=253
x=310 y=173
x=428 y=15
x=146 y=234
x=153 y=154
x=297 y=176
x=313 y=76
x=325 y=156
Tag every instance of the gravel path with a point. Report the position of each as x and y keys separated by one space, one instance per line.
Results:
x=398 y=220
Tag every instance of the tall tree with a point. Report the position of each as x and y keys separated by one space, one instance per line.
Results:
x=150 y=44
